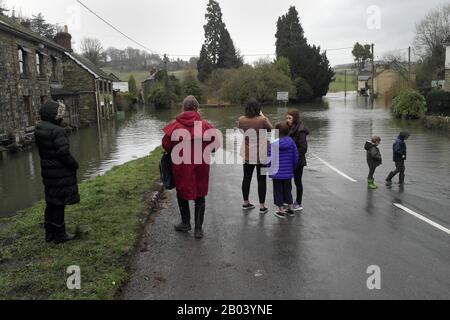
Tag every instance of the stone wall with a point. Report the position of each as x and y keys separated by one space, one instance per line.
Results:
x=14 y=118
x=78 y=79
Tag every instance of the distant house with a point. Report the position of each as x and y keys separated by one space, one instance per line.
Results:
x=447 y=65
x=364 y=84
x=31 y=72
x=393 y=77
x=149 y=83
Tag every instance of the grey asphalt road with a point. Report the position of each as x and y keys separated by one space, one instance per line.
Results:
x=323 y=253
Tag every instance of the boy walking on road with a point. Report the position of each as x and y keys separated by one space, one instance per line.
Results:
x=399 y=159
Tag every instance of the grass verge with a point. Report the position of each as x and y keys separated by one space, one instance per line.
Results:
x=109 y=220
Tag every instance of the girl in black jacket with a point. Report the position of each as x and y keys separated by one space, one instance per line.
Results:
x=299 y=134
x=59 y=171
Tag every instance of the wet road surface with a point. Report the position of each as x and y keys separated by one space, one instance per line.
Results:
x=324 y=252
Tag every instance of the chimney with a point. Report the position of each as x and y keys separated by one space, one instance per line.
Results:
x=64 y=39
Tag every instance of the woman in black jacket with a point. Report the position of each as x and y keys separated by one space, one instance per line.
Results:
x=59 y=171
x=299 y=134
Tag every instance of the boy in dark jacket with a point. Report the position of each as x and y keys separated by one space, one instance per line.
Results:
x=283 y=159
x=59 y=171
x=399 y=159
x=374 y=160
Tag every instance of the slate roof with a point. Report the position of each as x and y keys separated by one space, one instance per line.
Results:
x=11 y=26
x=96 y=71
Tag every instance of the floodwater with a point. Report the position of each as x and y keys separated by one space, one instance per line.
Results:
x=339 y=128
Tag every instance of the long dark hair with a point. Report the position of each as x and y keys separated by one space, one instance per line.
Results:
x=252 y=109
x=296 y=124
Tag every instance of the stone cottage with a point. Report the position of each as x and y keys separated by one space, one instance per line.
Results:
x=31 y=71
x=94 y=86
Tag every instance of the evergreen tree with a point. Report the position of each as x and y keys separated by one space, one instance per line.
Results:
x=132 y=86
x=306 y=61
x=40 y=25
x=204 y=65
x=228 y=57
x=218 y=50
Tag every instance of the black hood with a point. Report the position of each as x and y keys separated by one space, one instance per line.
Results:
x=404 y=136
x=49 y=111
x=369 y=145
x=300 y=127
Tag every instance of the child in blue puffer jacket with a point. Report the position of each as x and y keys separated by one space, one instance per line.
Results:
x=283 y=159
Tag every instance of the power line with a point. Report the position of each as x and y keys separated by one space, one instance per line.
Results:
x=116 y=29
x=176 y=55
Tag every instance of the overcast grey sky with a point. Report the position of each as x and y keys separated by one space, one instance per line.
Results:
x=176 y=27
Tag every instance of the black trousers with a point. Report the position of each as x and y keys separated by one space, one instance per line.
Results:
x=298 y=178
x=54 y=215
x=282 y=191
x=185 y=211
x=372 y=170
x=399 y=169
x=249 y=169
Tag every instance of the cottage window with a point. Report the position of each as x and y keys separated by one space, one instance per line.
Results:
x=54 y=68
x=22 y=61
x=39 y=64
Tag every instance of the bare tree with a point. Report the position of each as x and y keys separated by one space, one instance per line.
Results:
x=432 y=31
x=431 y=34
x=3 y=8
x=92 y=49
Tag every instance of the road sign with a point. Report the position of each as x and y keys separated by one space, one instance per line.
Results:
x=282 y=96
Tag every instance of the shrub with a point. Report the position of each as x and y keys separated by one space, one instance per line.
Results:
x=124 y=101
x=438 y=102
x=260 y=82
x=159 y=96
x=409 y=104
x=304 y=90
x=191 y=86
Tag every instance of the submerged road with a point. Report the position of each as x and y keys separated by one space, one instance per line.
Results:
x=323 y=253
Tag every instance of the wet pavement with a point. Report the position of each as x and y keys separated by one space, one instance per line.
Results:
x=324 y=252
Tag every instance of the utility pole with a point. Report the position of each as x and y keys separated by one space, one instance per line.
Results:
x=409 y=65
x=345 y=72
x=372 y=90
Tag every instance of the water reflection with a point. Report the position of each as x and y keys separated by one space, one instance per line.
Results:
x=339 y=127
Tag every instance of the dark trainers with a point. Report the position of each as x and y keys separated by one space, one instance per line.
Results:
x=263 y=211
x=290 y=213
x=249 y=206
x=183 y=227
x=199 y=234
x=280 y=215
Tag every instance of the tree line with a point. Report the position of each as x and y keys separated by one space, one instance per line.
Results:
x=304 y=68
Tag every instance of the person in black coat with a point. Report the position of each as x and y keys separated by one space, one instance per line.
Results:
x=299 y=134
x=59 y=171
x=400 y=151
x=374 y=160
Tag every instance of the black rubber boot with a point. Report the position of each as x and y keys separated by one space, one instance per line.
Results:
x=60 y=235
x=49 y=233
x=402 y=179
x=185 y=225
x=200 y=208
x=48 y=217
x=389 y=178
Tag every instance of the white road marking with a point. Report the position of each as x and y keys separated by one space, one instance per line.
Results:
x=336 y=170
x=415 y=214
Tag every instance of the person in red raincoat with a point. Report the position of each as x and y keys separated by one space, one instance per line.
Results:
x=184 y=139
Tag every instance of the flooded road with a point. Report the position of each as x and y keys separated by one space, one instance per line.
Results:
x=339 y=128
